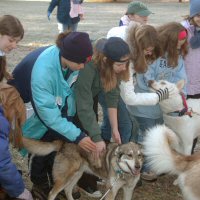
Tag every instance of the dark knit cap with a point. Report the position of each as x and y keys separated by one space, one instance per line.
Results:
x=76 y=47
x=194 y=7
x=114 y=48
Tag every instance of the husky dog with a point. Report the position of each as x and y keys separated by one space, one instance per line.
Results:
x=160 y=145
x=120 y=165
x=182 y=116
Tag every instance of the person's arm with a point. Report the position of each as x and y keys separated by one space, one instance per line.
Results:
x=127 y=92
x=112 y=114
x=51 y=7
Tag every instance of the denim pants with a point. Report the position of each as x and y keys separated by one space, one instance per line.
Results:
x=125 y=125
x=63 y=27
x=144 y=124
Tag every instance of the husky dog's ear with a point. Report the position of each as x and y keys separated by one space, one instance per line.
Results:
x=180 y=84
x=118 y=152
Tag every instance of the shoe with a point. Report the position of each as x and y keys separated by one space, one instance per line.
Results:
x=149 y=176
x=91 y=193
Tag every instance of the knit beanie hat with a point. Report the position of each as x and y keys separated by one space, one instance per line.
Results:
x=114 y=48
x=76 y=47
x=138 y=8
x=194 y=7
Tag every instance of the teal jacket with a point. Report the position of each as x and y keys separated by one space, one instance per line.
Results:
x=52 y=94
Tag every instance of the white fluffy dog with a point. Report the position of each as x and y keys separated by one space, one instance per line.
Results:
x=160 y=146
x=187 y=125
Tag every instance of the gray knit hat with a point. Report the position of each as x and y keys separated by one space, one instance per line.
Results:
x=138 y=8
x=194 y=7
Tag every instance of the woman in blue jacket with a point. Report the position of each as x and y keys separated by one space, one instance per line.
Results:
x=46 y=78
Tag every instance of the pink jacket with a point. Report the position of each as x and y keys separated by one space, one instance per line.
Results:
x=76 y=10
x=192 y=64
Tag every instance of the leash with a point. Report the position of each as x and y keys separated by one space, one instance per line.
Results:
x=110 y=188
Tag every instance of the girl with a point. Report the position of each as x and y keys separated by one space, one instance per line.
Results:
x=11 y=32
x=144 y=46
x=192 y=60
x=136 y=11
x=170 y=67
x=108 y=67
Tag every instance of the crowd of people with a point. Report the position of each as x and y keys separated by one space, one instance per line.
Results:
x=66 y=81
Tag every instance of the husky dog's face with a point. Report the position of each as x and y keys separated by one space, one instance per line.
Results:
x=174 y=102
x=162 y=84
x=130 y=158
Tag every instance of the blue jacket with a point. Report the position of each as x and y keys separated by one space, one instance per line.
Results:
x=10 y=178
x=51 y=93
x=63 y=9
x=158 y=70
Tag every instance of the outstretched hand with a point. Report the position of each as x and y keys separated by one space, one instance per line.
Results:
x=88 y=145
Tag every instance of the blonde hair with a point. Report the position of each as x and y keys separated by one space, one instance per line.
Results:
x=11 y=26
x=139 y=38
x=168 y=36
x=108 y=76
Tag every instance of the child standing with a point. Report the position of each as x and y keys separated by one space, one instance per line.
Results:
x=136 y=11
x=170 y=67
x=192 y=60
x=11 y=32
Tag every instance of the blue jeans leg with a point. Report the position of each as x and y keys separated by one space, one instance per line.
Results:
x=124 y=121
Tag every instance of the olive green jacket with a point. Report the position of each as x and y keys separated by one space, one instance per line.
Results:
x=87 y=87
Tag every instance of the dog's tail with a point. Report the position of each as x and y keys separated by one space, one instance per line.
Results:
x=41 y=148
x=160 y=150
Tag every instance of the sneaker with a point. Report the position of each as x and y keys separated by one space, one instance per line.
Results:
x=91 y=193
x=149 y=176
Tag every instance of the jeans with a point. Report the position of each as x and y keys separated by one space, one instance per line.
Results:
x=63 y=27
x=125 y=125
x=144 y=124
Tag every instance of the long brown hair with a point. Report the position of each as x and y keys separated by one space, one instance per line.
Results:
x=190 y=19
x=11 y=26
x=168 y=36
x=139 y=38
x=109 y=78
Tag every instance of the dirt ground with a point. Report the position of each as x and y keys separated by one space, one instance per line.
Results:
x=99 y=18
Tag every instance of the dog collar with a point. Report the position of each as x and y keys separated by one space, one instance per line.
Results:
x=184 y=111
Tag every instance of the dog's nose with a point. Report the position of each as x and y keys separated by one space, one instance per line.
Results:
x=137 y=166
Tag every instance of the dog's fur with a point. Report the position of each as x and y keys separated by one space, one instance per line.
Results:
x=160 y=143
x=186 y=127
x=14 y=111
x=123 y=162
